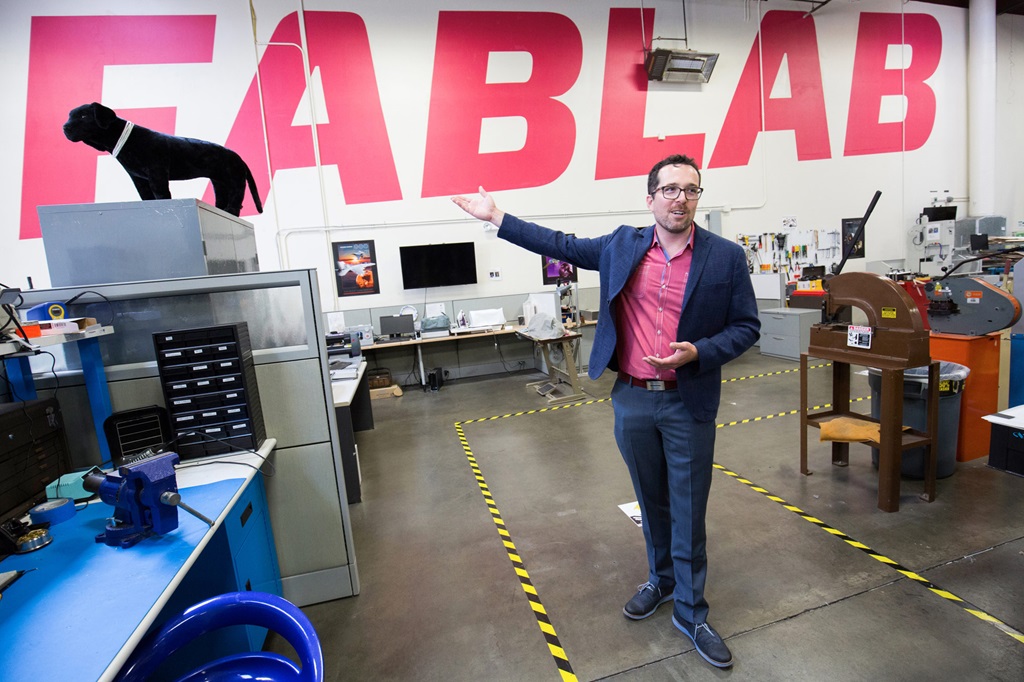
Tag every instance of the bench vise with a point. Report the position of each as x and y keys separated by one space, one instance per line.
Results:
x=137 y=492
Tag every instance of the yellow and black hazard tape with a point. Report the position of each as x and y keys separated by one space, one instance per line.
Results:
x=788 y=413
x=774 y=374
x=537 y=411
x=945 y=594
x=604 y=400
x=543 y=621
x=546 y=627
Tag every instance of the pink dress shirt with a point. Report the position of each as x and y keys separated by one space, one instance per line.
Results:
x=648 y=314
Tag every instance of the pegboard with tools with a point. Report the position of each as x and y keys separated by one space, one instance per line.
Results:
x=790 y=251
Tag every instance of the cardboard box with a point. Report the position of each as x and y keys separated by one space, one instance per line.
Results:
x=392 y=391
x=53 y=327
x=1006 y=447
x=84 y=322
x=72 y=325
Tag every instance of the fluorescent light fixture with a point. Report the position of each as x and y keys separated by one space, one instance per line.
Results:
x=680 y=66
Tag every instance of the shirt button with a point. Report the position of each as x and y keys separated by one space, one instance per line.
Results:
x=659 y=332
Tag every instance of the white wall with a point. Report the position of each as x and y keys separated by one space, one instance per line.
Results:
x=307 y=210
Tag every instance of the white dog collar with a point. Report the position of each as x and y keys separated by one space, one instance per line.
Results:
x=128 y=125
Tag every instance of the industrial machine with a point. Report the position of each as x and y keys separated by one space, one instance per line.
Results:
x=936 y=247
x=343 y=343
x=956 y=303
x=893 y=340
x=895 y=335
x=968 y=305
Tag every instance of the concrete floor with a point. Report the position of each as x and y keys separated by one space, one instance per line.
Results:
x=441 y=598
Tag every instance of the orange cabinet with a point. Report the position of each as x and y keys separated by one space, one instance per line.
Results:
x=981 y=390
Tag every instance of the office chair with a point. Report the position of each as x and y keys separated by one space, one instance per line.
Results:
x=234 y=608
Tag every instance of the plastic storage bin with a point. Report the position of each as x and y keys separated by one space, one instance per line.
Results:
x=915 y=415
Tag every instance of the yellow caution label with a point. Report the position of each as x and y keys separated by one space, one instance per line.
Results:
x=943 y=386
x=889 y=313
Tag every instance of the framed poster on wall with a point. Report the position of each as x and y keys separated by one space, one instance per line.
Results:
x=355 y=268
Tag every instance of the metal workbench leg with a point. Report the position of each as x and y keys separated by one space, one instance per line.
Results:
x=19 y=376
x=890 y=446
x=841 y=404
x=803 y=415
x=96 y=387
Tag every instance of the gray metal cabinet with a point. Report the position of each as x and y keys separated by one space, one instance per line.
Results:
x=785 y=332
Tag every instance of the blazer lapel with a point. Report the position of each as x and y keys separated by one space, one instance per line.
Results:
x=701 y=250
x=640 y=242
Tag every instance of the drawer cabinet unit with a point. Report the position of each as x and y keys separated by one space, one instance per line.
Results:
x=33 y=453
x=209 y=386
x=786 y=332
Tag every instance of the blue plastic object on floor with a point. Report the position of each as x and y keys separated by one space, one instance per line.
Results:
x=234 y=608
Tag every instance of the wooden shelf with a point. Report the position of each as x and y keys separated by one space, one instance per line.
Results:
x=911 y=438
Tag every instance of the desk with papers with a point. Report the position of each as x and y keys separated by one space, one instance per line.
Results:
x=354 y=412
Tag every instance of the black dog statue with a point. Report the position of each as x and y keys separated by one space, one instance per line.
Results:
x=153 y=159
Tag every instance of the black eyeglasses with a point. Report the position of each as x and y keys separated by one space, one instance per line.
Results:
x=673 y=192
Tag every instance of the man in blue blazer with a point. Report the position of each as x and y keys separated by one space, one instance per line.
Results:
x=677 y=303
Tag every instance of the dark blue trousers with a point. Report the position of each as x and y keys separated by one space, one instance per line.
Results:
x=669 y=456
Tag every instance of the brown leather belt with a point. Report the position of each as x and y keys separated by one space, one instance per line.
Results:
x=649 y=384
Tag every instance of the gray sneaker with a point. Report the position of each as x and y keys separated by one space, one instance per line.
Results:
x=646 y=601
x=709 y=644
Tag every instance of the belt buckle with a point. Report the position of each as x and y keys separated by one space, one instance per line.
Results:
x=655 y=385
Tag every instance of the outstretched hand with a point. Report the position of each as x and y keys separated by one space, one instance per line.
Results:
x=481 y=207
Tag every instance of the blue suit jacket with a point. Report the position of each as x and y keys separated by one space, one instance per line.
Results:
x=719 y=313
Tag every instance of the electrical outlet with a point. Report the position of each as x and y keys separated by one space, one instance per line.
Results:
x=495 y=275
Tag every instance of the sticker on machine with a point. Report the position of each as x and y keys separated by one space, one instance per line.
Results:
x=972 y=297
x=858 y=337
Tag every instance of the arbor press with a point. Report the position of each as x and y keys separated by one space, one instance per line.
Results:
x=895 y=339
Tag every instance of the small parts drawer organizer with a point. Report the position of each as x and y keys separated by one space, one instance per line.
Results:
x=209 y=385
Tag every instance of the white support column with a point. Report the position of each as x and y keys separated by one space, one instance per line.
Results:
x=981 y=106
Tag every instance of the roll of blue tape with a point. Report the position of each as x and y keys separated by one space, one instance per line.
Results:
x=52 y=511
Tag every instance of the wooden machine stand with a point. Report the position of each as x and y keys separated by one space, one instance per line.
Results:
x=899 y=342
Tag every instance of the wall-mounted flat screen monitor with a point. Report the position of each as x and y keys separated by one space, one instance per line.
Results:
x=438 y=265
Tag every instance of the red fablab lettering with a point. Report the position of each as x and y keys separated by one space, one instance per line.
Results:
x=872 y=81
x=356 y=139
x=622 y=149
x=461 y=98
x=66 y=60
x=68 y=54
x=783 y=34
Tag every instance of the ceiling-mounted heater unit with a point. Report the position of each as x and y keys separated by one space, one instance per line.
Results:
x=676 y=66
x=680 y=66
